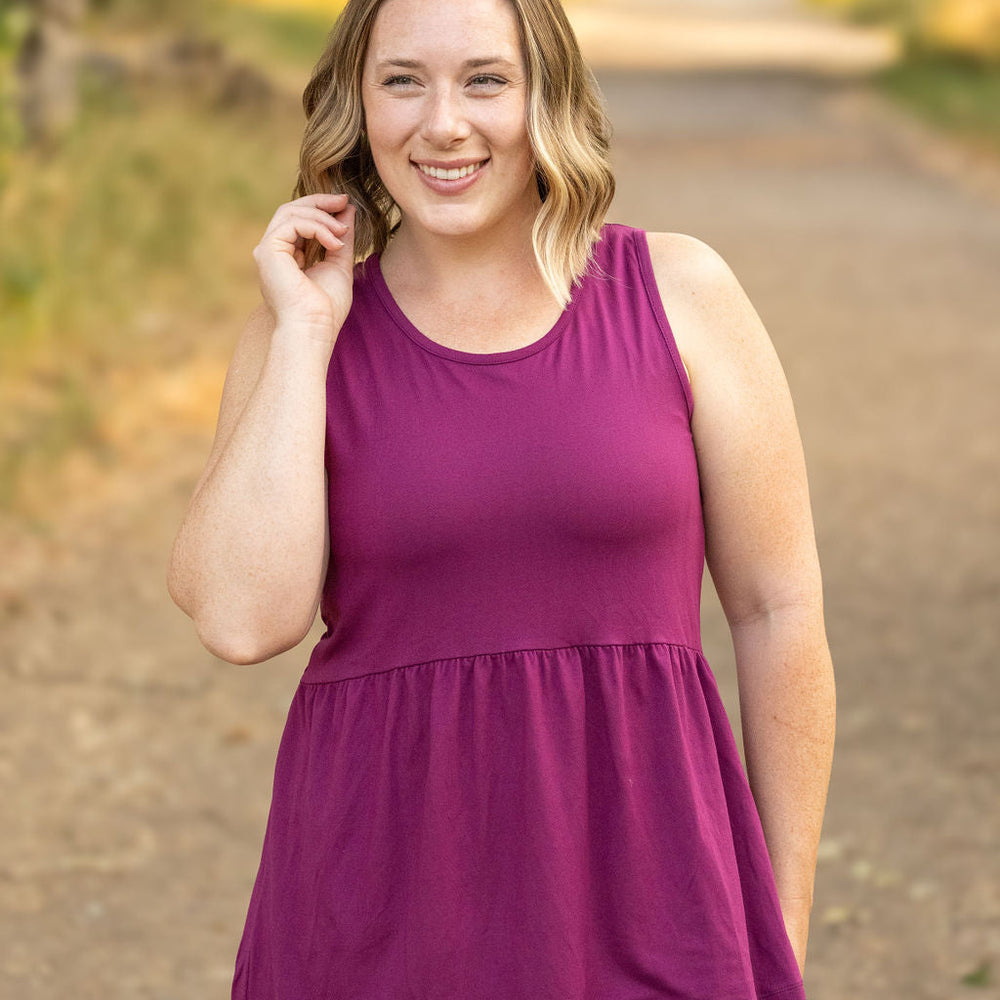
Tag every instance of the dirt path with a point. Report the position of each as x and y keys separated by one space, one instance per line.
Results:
x=876 y=280
x=726 y=34
x=135 y=769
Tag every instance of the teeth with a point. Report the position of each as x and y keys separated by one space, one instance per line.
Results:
x=450 y=175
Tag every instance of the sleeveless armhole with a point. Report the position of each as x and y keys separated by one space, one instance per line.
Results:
x=640 y=244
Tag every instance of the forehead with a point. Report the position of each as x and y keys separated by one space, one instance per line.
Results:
x=445 y=30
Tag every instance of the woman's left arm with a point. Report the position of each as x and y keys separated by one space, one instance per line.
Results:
x=761 y=552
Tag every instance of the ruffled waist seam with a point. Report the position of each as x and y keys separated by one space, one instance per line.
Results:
x=306 y=679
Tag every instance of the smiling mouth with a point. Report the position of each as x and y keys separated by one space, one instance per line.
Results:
x=454 y=174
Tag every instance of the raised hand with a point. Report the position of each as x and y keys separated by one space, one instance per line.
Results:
x=318 y=298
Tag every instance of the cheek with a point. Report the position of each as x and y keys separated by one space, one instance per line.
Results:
x=506 y=135
x=510 y=132
x=387 y=126
x=517 y=148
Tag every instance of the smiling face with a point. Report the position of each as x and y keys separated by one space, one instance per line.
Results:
x=445 y=95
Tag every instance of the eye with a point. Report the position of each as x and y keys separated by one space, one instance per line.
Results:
x=400 y=80
x=487 y=81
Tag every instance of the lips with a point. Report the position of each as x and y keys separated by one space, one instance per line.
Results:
x=450 y=173
x=450 y=178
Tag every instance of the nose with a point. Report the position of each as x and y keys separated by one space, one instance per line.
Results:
x=445 y=122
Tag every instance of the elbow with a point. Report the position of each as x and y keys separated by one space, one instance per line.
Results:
x=239 y=631
x=241 y=650
x=244 y=645
x=242 y=641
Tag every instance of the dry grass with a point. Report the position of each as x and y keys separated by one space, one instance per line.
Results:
x=129 y=241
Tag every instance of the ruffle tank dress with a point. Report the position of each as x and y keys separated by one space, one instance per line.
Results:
x=507 y=772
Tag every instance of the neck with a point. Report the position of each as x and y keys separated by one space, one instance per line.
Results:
x=415 y=257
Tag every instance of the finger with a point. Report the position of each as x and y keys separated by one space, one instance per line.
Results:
x=327 y=239
x=285 y=241
x=295 y=218
x=340 y=217
x=321 y=216
x=323 y=200
x=300 y=223
x=347 y=218
x=346 y=235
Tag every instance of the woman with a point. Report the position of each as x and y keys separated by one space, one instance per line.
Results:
x=498 y=468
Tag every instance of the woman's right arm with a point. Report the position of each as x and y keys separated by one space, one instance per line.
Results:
x=250 y=557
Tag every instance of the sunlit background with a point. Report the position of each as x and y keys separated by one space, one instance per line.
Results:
x=842 y=155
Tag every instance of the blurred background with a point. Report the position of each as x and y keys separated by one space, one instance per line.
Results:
x=842 y=155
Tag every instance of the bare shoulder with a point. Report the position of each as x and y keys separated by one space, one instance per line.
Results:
x=760 y=543
x=712 y=318
x=676 y=249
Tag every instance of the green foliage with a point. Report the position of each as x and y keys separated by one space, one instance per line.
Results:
x=953 y=84
x=897 y=12
x=136 y=195
x=125 y=241
x=147 y=13
x=67 y=418
x=269 y=36
x=981 y=976
x=955 y=92
x=966 y=29
x=14 y=21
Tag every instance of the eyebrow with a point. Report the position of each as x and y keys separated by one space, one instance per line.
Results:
x=468 y=64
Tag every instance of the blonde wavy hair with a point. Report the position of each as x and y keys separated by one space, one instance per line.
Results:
x=567 y=125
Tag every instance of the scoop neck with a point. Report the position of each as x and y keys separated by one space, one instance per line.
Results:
x=453 y=353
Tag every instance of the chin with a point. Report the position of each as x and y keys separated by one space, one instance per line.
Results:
x=444 y=222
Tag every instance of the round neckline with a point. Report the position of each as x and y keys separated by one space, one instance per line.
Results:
x=453 y=353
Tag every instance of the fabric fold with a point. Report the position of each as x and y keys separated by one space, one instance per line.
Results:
x=563 y=824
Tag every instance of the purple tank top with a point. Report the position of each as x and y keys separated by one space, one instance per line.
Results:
x=506 y=772
x=544 y=496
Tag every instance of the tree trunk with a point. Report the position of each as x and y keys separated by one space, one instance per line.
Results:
x=47 y=69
